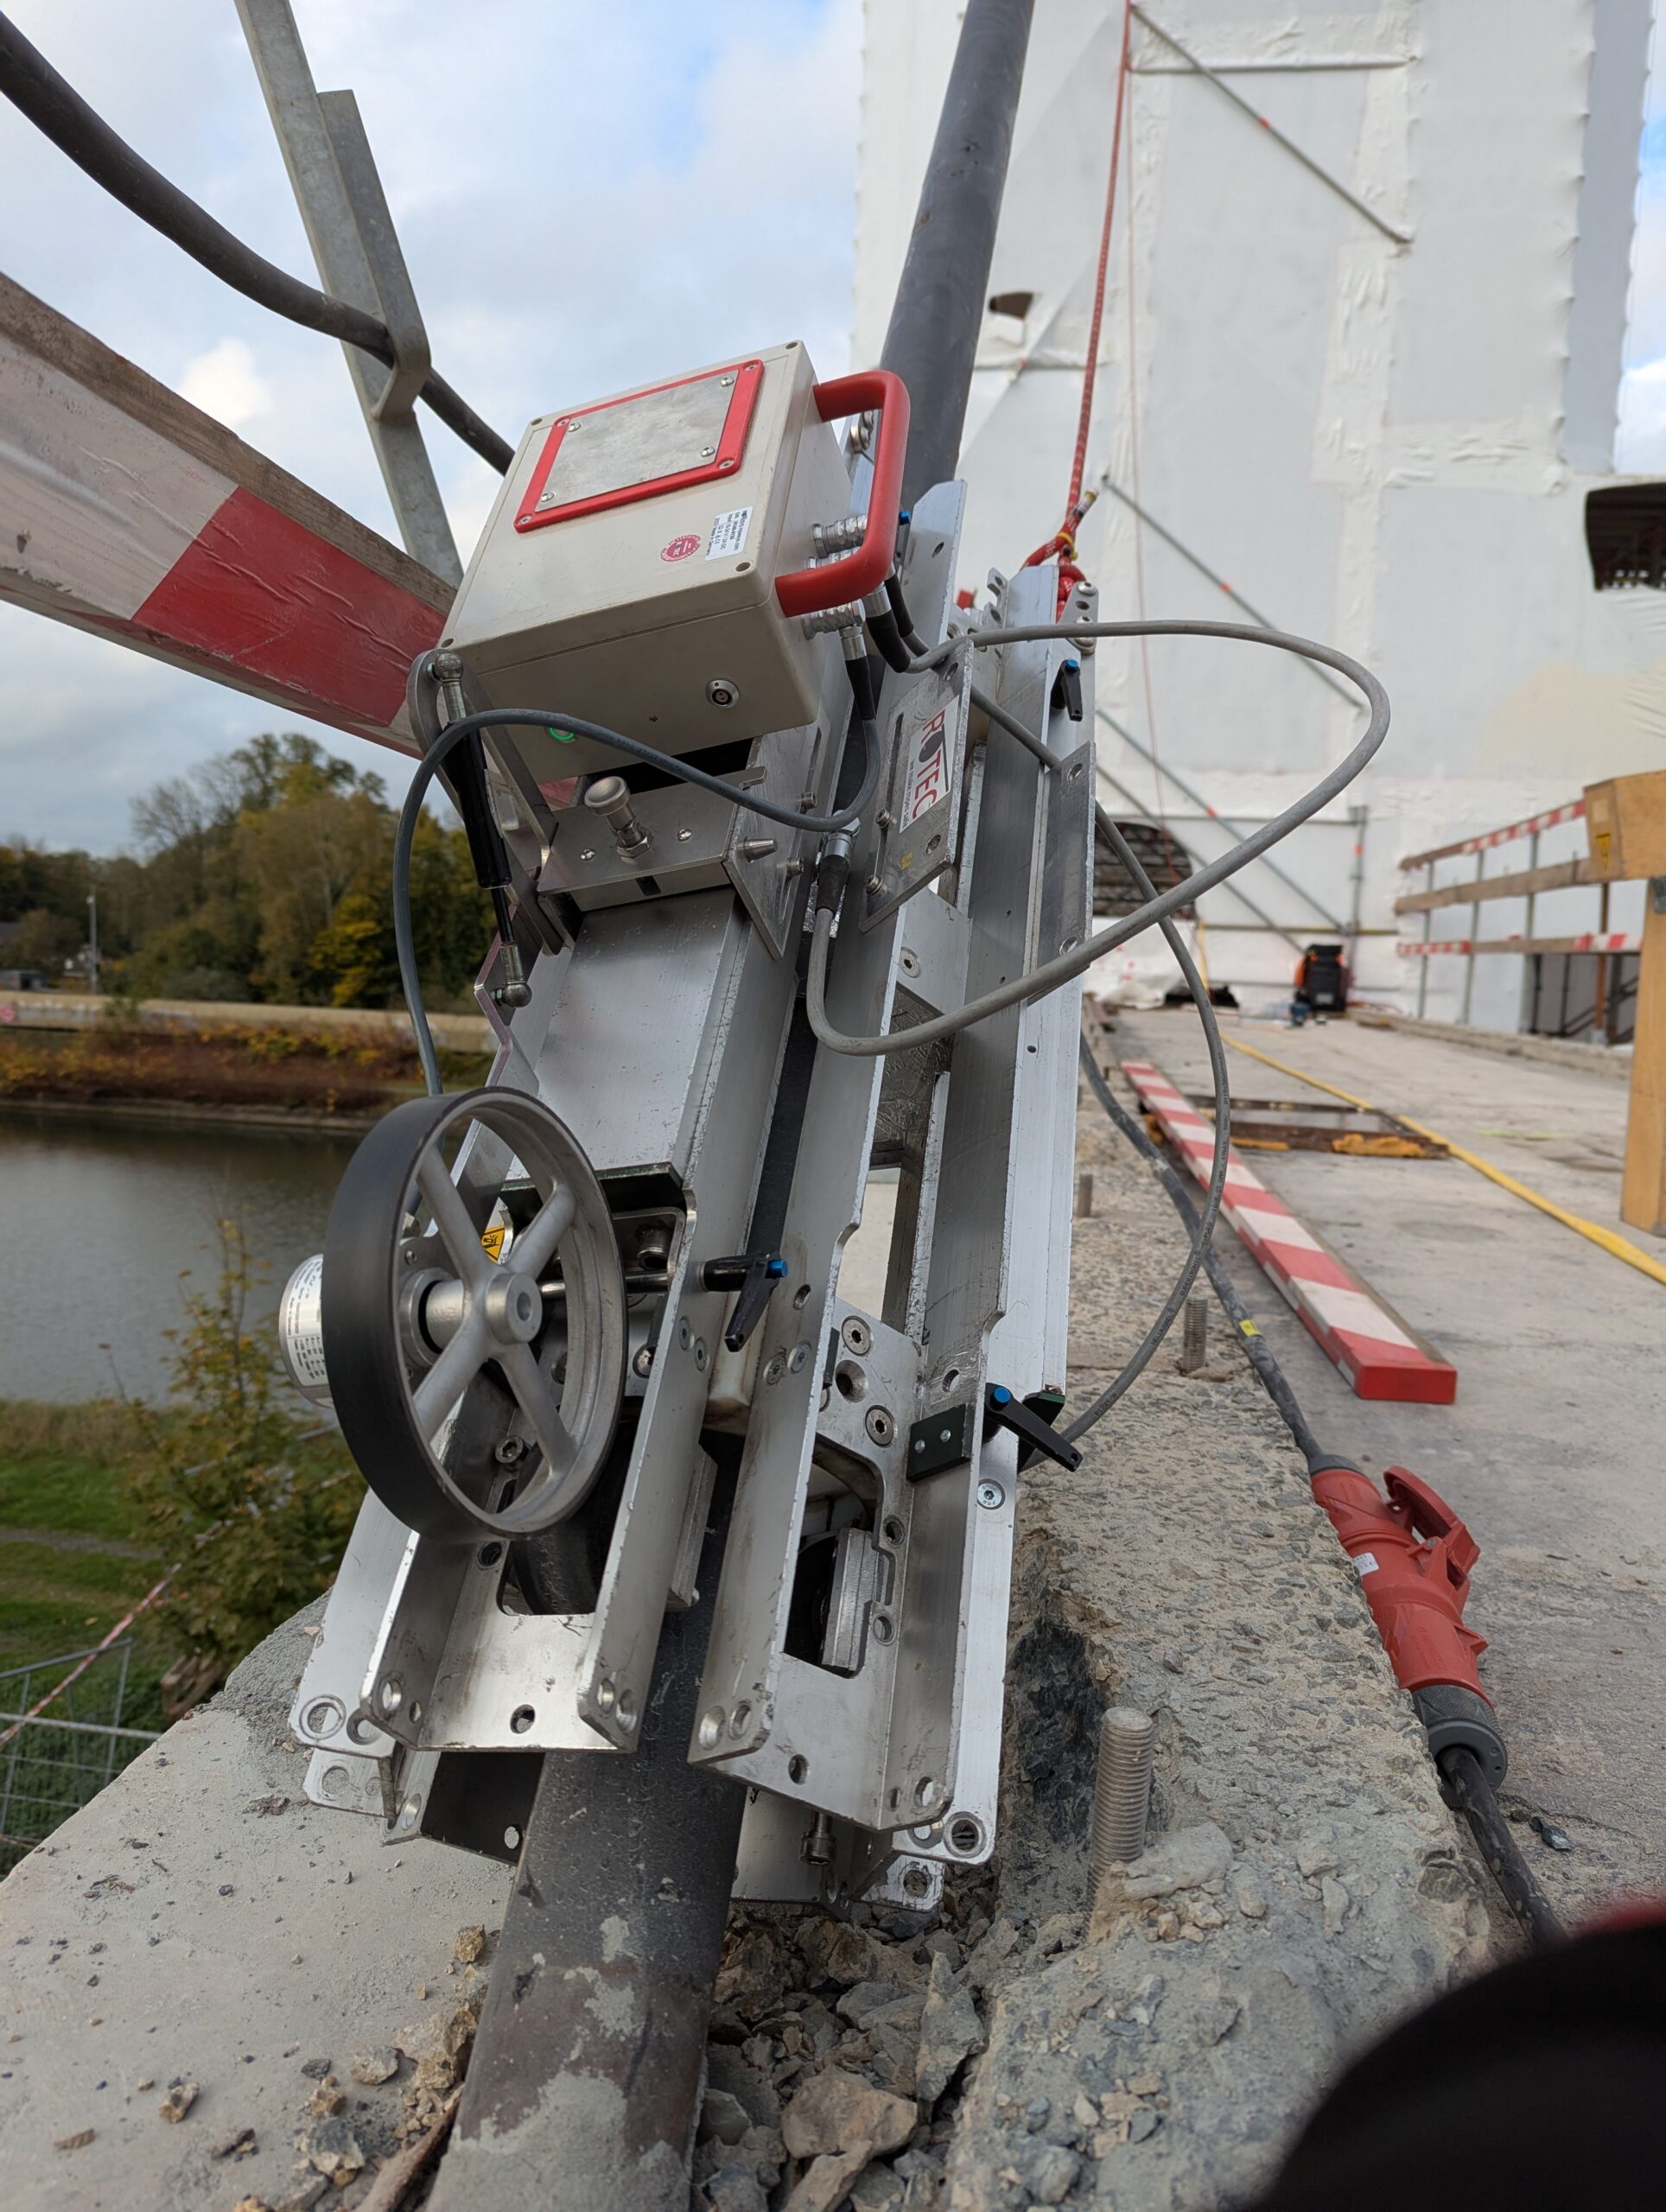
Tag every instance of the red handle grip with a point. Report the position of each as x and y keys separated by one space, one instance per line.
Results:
x=807 y=591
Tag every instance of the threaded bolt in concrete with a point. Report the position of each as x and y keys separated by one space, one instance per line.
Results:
x=1194 y=1350
x=1121 y=1789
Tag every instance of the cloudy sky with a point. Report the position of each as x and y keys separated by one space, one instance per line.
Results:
x=579 y=186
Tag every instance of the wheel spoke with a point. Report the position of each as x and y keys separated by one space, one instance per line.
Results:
x=450 y=1375
x=538 y=1240
x=451 y=1218
x=536 y=1400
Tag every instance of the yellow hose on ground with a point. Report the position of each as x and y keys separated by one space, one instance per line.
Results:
x=1619 y=1246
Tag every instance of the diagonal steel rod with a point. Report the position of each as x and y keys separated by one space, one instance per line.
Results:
x=1360 y=207
x=1214 y=815
x=1197 y=561
x=1242 y=896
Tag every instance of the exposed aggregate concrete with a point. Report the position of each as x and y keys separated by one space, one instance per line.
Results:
x=1303 y=1885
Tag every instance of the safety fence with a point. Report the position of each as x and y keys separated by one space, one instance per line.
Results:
x=1577 y=983
x=54 y=1762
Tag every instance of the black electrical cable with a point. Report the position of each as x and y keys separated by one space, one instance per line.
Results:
x=917 y=646
x=1203 y=1225
x=57 y=110
x=1465 y=1778
x=888 y=642
x=903 y=619
x=1254 y=1344
x=846 y=813
x=1460 y=1768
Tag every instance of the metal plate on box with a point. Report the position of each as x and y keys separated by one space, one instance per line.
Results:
x=648 y=442
x=928 y=746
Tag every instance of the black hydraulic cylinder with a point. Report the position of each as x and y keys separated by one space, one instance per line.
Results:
x=940 y=300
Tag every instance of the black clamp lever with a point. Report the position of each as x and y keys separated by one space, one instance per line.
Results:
x=1031 y=1427
x=754 y=1274
x=1067 y=689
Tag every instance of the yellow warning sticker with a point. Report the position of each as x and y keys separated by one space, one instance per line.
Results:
x=1248 y=1329
x=492 y=1239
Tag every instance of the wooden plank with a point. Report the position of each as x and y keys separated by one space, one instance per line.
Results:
x=1560 y=875
x=1643 y=1188
x=127 y=511
x=1626 y=820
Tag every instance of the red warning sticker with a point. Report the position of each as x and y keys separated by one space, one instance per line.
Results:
x=680 y=548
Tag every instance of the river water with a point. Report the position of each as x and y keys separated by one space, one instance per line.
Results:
x=99 y=1220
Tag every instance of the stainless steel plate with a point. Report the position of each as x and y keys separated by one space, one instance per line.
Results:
x=639 y=441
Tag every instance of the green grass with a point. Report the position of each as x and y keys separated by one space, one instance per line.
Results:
x=60 y=1474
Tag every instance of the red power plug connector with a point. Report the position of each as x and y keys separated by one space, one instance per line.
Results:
x=1414 y=1557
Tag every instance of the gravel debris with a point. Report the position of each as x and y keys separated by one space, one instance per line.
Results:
x=180 y=2096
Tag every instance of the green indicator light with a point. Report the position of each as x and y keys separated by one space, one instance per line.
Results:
x=561 y=736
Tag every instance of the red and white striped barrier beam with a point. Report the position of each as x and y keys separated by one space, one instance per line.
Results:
x=1377 y=1354
x=127 y=511
x=1574 y=812
x=1591 y=941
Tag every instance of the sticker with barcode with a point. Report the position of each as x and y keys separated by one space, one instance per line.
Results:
x=1365 y=1563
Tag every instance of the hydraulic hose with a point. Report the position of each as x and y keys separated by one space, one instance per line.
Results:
x=57 y=110
x=1061 y=969
x=1460 y=1771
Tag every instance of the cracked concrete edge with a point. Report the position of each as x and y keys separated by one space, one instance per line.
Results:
x=1186 y=1571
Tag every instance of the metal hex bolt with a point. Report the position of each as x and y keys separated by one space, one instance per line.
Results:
x=991 y=1495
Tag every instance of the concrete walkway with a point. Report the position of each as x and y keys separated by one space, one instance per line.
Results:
x=1552 y=1452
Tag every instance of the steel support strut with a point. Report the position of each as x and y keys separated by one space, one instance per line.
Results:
x=932 y=338
x=594 y=2031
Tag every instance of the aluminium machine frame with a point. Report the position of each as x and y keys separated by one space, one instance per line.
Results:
x=669 y=1037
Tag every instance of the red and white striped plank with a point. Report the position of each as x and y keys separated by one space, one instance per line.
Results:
x=1377 y=1356
x=1591 y=941
x=1574 y=812
x=127 y=511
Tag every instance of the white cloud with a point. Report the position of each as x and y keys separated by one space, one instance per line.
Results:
x=226 y=384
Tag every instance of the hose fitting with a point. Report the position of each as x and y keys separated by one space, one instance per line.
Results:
x=1414 y=1557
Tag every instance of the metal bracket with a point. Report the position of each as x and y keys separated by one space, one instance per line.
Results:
x=395 y=295
x=357 y=252
x=942 y=1440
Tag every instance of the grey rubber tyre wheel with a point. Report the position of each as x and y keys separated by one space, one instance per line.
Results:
x=453 y=1372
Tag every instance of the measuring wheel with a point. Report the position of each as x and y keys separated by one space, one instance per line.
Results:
x=473 y=1315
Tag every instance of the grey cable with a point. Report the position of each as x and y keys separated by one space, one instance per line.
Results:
x=1204 y=1229
x=1027 y=738
x=453 y=735
x=1066 y=965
